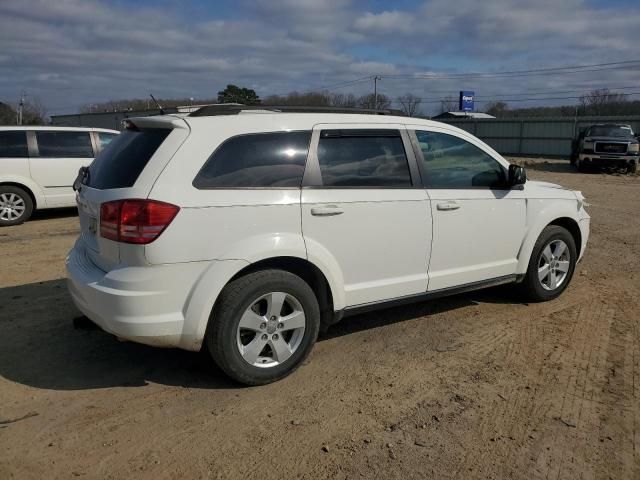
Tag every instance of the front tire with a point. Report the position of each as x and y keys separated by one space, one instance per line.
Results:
x=551 y=265
x=16 y=206
x=263 y=327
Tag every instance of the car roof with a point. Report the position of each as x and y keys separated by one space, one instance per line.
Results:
x=49 y=128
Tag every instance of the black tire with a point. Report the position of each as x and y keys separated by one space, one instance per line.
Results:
x=531 y=286
x=582 y=168
x=24 y=200
x=222 y=334
x=633 y=167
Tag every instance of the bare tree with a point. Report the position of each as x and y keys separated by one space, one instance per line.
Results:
x=448 y=104
x=497 y=109
x=34 y=112
x=409 y=104
x=602 y=102
x=348 y=100
x=369 y=101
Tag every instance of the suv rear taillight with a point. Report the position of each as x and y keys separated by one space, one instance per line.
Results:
x=135 y=221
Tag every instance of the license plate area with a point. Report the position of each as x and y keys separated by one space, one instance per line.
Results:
x=92 y=225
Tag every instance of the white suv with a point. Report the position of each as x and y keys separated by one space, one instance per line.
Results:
x=38 y=166
x=248 y=231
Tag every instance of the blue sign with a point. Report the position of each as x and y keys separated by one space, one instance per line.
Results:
x=466 y=101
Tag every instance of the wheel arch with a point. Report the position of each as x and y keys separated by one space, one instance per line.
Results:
x=574 y=229
x=559 y=215
x=304 y=269
x=204 y=297
x=22 y=187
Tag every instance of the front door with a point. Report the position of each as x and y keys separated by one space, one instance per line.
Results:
x=478 y=222
x=364 y=215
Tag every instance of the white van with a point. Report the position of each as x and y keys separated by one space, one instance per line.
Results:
x=39 y=164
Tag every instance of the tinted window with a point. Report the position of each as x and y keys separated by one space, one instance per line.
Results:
x=451 y=162
x=610 y=131
x=373 y=158
x=120 y=165
x=105 y=139
x=257 y=160
x=13 y=144
x=64 y=144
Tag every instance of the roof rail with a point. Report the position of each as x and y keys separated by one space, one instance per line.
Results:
x=234 y=109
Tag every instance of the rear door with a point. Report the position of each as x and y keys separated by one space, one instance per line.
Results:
x=57 y=159
x=365 y=216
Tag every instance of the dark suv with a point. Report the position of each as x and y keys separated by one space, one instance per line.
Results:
x=603 y=145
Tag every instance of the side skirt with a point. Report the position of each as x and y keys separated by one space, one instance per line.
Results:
x=420 y=297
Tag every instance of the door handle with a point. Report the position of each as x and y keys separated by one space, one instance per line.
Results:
x=328 y=211
x=448 y=206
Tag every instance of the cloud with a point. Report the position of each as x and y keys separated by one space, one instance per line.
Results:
x=71 y=52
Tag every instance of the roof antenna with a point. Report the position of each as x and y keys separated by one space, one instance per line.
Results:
x=157 y=104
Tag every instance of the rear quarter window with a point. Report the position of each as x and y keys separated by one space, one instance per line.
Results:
x=120 y=165
x=262 y=160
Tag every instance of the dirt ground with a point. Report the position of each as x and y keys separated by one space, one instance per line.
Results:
x=473 y=386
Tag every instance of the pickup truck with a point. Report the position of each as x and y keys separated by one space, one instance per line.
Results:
x=607 y=145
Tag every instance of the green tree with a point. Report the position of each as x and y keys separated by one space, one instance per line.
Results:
x=235 y=94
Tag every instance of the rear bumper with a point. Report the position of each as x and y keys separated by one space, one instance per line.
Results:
x=141 y=304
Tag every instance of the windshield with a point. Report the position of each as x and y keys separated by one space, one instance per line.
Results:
x=610 y=131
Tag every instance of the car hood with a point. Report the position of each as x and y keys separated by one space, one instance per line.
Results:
x=537 y=189
x=540 y=184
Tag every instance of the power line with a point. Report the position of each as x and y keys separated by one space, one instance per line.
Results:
x=430 y=100
x=518 y=73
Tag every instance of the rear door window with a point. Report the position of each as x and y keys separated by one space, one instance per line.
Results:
x=120 y=165
x=64 y=144
x=262 y=160
x=13 y=144
x=363 y=158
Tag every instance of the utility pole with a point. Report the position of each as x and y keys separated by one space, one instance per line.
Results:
x=20 y=108
x=375 y=91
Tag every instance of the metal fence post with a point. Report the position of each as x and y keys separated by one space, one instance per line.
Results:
x=520 y=139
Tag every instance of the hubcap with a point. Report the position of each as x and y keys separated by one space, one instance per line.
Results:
x=553 y=265
x=271 y=329
x=11 y=206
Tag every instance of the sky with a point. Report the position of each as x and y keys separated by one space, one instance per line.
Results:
x=67 y=53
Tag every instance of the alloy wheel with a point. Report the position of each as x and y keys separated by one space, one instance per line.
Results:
x=12 y=206
x=271 y=329
x=553 y=264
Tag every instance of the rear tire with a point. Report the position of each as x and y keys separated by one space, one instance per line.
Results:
x=551 y=265
x=248 y=335
x=16 y=205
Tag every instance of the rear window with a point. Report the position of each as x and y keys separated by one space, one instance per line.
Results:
x=13 y=144
x=120 y=165
x=260 y=160
x=64 y=144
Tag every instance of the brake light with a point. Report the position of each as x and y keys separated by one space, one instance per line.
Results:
x=135 y=221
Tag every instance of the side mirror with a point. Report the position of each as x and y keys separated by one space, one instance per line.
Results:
x=517 y=175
